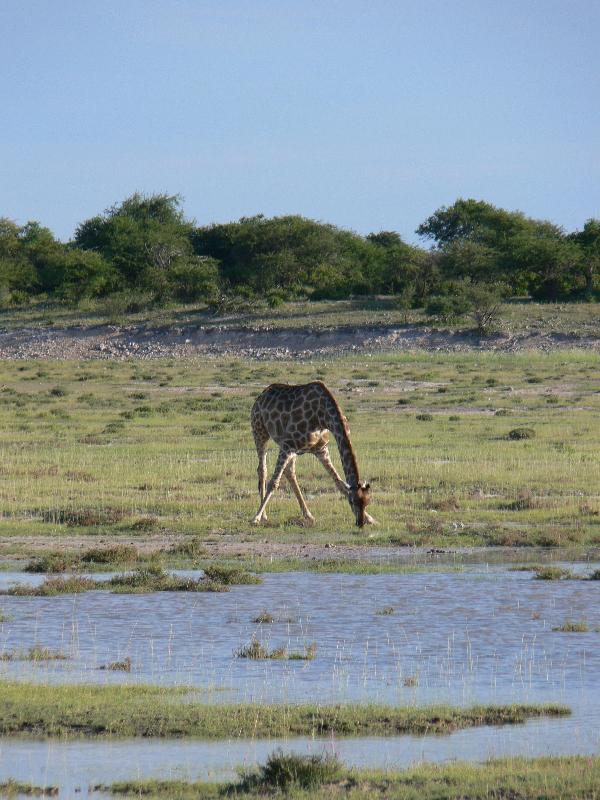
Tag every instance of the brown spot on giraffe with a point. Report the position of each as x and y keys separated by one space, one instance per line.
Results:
x=299 y=418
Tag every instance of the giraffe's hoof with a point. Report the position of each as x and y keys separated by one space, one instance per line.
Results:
x=303 y=522
x=369 y=520
x=257 y=520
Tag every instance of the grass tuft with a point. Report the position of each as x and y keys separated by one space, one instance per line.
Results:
x=264 y=618
x=284 y=771
x=52 y=587
x=154 y=578
x=35 y=653
x=12 y=788
x=525 y=501
x=118 y=666
x=518 y=434
x=387 y=611
x=572 y=627
x=258 y=652
x=51 y=562
x=308 y=654
x=114 y=554
x=253 y=650
x=231 y=576
x=553 y=574
x=86 y=517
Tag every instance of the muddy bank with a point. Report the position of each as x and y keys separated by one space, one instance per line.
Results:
x=227 y=546
x=106 y=342
x=16 y=548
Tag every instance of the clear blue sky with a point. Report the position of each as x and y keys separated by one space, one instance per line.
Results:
x=366 y=114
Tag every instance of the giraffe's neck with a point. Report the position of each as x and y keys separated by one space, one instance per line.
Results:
x=339 y=427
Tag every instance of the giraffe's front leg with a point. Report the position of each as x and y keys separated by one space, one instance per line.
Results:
x=325 y=459
x=283 y=460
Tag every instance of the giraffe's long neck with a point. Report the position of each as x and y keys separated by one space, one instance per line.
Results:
x=339 y=427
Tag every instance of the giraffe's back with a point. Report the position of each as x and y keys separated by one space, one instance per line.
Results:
x=294 y=414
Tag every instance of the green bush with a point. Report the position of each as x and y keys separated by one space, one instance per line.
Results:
x=448 y=307
x=194 y=279
x=284 y=771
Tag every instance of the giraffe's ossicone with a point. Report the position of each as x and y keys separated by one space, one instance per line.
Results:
x=299 y=419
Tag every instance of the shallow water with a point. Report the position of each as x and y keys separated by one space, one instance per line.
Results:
x=477 y=636
x=75 y=766
x=482 y=635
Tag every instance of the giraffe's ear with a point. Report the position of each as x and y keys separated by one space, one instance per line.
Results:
x=367 y=486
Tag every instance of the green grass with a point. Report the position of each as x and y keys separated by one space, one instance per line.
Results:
x=230 y=576
x=256 y=651
x=149 y=578
x=52 y=587
x=264 y=618
x=100 y=463
x=35 y=653
x=550 y=573
x=155 y=579
x=284 y=771
x=12 y=788
x=125 y=711
x=565 y=778
x=327 y=566
x=572 y=627
x=228 y=571
x=387 y=611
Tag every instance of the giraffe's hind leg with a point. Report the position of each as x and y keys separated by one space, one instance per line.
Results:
x=261 y=440
x=283 y=460
x=290 y=474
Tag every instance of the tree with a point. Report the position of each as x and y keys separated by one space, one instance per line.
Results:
x=549 y=264
x=196 y=278
x=289 y=254
x=145 y=238
x=486 y=244
x=25 y=252
x=588 y=241
x=401 y=263
x=74 y=273
x=473 y=220
x=17 y=274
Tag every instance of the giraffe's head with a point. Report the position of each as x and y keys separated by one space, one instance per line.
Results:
x=359 y=497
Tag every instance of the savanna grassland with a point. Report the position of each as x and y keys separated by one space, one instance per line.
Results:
x=159 y=453
x=139 y=465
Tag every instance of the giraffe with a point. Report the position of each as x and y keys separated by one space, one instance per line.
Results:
x=299 y=418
